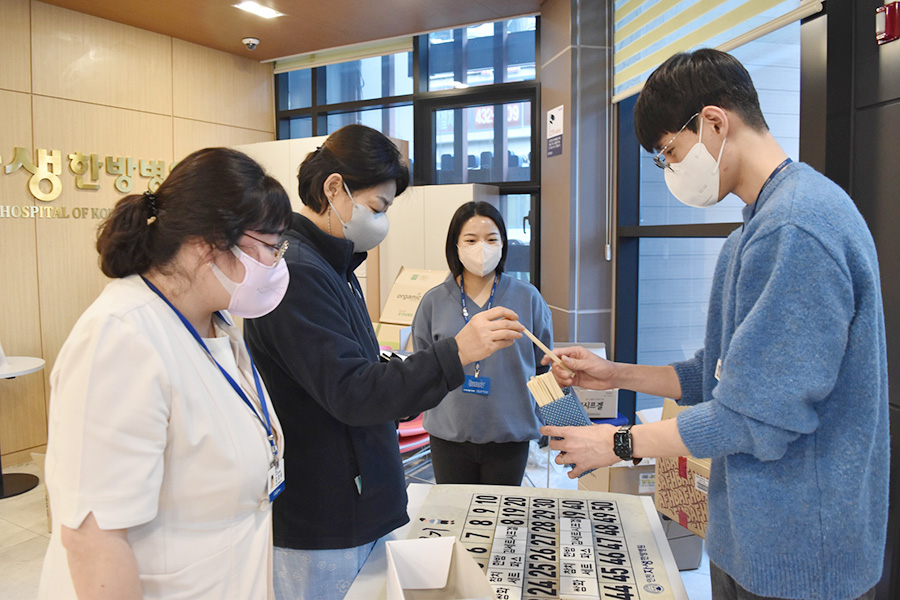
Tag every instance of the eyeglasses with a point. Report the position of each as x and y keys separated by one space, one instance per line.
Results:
x=660 y=160
x=277 y=249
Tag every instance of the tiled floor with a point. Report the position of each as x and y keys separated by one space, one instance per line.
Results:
x=23 y=539
x=24 y=535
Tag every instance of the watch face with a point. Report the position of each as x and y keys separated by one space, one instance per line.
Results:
x=622 y=445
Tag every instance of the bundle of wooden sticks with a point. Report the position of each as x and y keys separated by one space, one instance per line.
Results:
x=544 y=387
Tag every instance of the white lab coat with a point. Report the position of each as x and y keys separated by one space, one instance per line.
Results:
x=146 y=433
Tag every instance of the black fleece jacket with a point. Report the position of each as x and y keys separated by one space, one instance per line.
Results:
x=318 y=355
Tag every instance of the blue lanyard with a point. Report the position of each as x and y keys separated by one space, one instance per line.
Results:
x=465 y=311
x=267 y=423
x=777 y=170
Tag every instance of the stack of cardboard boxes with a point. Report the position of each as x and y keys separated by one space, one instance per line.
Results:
x=394 y=326
x=682 y=484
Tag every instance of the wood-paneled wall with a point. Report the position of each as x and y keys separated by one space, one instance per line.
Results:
x=76 y=83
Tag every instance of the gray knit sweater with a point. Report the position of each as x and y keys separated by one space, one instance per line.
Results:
x=508 y=414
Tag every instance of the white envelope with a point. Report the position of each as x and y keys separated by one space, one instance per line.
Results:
x=433 y=569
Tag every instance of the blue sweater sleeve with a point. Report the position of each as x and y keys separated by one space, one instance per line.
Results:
x=690 y=378
x=793 y=307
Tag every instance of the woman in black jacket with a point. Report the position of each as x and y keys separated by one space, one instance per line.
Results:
x=318 y=355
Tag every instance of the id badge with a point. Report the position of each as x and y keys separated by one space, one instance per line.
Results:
x=477 y=385
x=276 y=480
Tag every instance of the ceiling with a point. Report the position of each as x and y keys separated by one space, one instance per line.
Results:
x=307 y=26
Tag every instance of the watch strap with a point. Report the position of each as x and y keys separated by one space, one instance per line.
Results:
x=623 y=444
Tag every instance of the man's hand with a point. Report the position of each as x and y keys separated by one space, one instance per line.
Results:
x=590 y=371
x=588 y=447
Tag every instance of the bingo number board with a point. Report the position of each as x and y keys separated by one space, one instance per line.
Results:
x=537 y=543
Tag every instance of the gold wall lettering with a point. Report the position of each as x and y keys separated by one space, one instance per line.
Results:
x=45 y=184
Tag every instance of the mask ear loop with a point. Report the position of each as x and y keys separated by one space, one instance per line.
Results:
x=334 y=210
x=721 y=149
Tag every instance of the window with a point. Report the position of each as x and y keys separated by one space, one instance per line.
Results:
x=469 y=116
x=469 y=148
x=483 y=54
x=393 y=122
x=369 y=78
x=376 y=91
x=299 y=90
x=517 y=210
x=672 y=248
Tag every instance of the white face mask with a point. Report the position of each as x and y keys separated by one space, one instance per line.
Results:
x=480 y=258
x=366 y=229
x=695 y=180
x=262 y=289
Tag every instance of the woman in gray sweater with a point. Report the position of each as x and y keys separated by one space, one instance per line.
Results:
x=480 y=431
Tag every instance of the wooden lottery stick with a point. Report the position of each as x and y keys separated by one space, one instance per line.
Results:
x=544 y=389
x=547 y=351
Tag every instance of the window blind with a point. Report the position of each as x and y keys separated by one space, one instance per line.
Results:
x=647 y=32
x=344 y=54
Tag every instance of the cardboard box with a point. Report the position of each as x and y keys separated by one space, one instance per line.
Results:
x=598 y=404
x=622 y=478
x=433 y=569
x=682 y=485
x=397 y=337
x=406 y=293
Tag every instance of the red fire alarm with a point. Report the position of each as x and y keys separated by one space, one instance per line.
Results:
x=887 y=23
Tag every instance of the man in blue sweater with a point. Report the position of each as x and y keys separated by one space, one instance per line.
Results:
x=788 y=395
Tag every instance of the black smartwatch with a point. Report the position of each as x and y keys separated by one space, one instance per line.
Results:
x=623 y=444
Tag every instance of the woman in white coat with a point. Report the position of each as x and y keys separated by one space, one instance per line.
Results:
x=164 y=451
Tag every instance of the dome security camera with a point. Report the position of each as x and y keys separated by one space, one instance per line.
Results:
x=250 y=42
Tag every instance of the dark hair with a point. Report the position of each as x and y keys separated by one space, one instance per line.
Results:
x=460 y=217
x=363 y=156
x=215 y=194
x=687 y=82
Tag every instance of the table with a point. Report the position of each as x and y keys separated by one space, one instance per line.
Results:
x=13 y=484
x=370 y=583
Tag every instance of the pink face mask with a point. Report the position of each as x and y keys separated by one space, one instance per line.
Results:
x=260 y=292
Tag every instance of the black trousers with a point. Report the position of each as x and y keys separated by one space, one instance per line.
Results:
x=490 y=464
x=724 y=587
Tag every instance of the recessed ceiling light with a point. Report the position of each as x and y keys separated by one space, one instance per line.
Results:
x=257 y=9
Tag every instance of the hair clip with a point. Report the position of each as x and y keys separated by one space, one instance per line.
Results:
x=150 y=199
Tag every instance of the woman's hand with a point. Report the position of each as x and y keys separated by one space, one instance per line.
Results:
x=590 y=371
x=589 y=447
x=487 y=332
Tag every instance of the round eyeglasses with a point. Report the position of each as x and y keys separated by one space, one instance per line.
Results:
x=660 y=160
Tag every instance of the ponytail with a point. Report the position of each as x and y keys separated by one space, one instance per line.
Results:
x=124 y=239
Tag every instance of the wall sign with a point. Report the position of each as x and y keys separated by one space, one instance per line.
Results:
x=554 y=131
x=45 y=183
